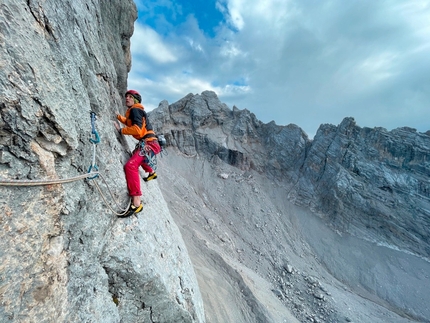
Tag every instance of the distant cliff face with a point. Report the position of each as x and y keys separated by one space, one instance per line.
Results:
x=370 y=186
x=202 y=124
x=372 y=183
x=64 y=255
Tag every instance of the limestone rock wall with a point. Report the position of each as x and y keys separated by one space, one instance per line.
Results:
x=372 y=183
x=365 y=184
x=64 y=255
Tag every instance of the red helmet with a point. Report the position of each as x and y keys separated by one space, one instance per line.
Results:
x=135 y=94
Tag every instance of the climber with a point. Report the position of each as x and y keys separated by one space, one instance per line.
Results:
x=137 y=125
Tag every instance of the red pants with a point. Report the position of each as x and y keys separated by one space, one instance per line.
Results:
x=131 y=168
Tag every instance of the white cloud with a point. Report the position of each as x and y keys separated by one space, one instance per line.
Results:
x=230 y=49
x=234 y=14
x=300 y=62
x=195 y=44
x=417 y=13
x=230 y=90
x=180 y=85
x=261 y=16
x=378 y=68
x=147 y=42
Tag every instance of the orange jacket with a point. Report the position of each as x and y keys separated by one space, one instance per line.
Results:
x=136 y=123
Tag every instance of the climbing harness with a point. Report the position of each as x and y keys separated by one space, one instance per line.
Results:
x=93 y=173
x=147 y=152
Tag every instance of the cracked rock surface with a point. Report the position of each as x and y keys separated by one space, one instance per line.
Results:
x=333 y=229
x=64 y=255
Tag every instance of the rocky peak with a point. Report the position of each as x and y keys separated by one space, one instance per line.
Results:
x=367 y=182
x=374 y=179
x=201 y=124
x=367 y=190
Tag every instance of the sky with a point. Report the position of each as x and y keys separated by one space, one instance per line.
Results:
x=306 y=62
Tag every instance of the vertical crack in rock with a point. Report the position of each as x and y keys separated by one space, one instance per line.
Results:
x=59 y=61
x=37 y=11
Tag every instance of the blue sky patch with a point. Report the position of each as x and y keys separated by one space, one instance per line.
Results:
x=292 y=61
x=160 y=14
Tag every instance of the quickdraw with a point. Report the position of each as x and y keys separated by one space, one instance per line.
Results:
x=95 y=141
x=93 y=129
x=92 y=173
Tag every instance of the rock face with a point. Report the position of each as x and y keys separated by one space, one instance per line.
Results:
x=64 y=255
x=368 y=187
x=276 y=227
x=372 y=183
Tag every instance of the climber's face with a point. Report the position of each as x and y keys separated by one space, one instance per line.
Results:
x=129 y=100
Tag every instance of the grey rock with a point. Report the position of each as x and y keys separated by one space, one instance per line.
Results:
x=278 y=293
x=361 y=180
x=345 y=168
x=367 y=187
x=372 y=182
x=318 y=296
x=64 y=255
x=289 y=269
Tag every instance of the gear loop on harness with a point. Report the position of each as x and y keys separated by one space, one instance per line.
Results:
x=146 y=151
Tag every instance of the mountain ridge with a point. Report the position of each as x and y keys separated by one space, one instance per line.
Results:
x=287 y=151
x=350 y=177
x=246 y=222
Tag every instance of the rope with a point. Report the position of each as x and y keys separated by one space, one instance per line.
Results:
x=94 y=166
x=124 y=211
x=69 y=180
x=45 y=182
x=90 y=175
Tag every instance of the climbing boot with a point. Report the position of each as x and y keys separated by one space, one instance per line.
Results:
x=132 y=210
x=150 y=176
